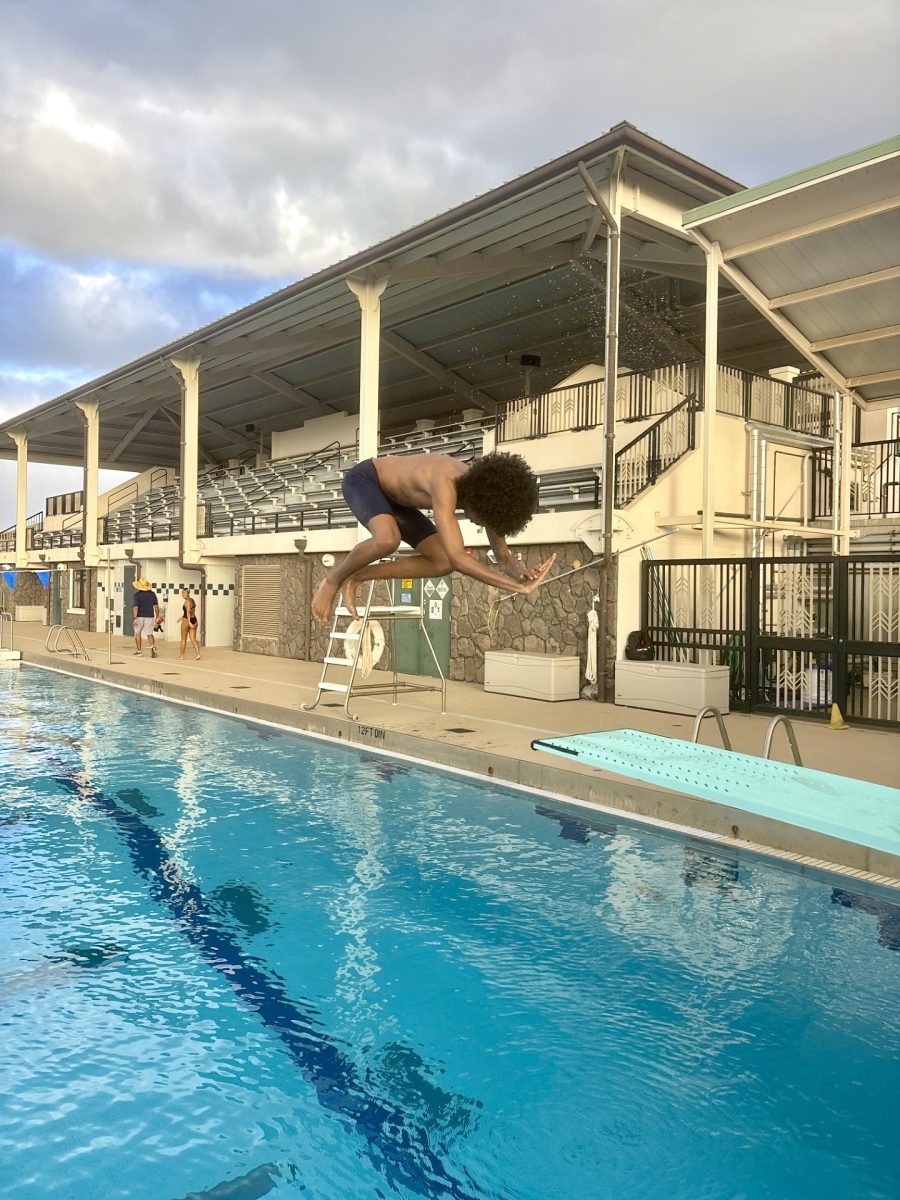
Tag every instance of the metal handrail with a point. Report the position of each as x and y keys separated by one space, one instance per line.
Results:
x=4 y=617
x=711 y=711
x=75 y=647
x=791 y=737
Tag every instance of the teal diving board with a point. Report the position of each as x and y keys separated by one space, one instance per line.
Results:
x=865 y=813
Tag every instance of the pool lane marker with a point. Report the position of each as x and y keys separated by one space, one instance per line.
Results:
x=401 y=1151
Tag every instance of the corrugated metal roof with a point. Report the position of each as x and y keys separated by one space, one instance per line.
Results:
x=821 y=250
x=471 y=289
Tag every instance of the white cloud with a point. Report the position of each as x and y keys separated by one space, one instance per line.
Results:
x=275 y=139
x=59 y=112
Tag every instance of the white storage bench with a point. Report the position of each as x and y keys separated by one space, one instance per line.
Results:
x=31 y=612
x=535 y=676
x=671 y=686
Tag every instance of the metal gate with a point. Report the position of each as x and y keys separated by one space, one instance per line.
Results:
x=797 y=634
x=129 y=576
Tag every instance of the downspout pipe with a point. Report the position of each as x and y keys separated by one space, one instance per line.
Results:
x=610 y=378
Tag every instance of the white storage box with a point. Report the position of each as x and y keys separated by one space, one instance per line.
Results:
x=537 y=676
x=31 y=612
x=671 y=686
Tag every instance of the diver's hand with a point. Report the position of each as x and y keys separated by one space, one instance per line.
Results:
x=536 y=576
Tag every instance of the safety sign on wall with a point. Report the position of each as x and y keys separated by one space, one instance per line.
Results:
x=435 y=609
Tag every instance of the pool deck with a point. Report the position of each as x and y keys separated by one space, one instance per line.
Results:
x=491 y=735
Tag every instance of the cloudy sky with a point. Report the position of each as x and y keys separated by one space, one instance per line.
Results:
x=163 y=163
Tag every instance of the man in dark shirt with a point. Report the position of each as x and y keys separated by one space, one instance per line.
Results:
x=146 y=614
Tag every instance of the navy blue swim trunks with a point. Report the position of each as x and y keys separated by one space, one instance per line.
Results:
x=365 y=498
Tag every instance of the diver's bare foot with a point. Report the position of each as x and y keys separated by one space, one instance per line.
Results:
x=323 y=600
x=348 y=595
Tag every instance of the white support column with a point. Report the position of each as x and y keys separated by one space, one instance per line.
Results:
x=368 y=290
x=842 y=543
x=188 y=368
x=91 y=410
x=20 y=437
x=710 y=381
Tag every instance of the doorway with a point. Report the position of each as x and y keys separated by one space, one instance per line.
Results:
x=127 y=606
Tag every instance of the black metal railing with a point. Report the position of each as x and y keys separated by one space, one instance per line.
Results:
x=644 y=394
x=64 y=503
x=113 y=532
x=49 y=539
x=774 y=402
x=874 y=480
x=797 y=634
x=643 y=460
x=565 y=409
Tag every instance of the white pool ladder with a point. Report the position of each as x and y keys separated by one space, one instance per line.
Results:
x=389 y=614
x=75 y=646
x=711 y=711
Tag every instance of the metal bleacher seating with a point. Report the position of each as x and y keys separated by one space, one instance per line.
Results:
x=305 y=492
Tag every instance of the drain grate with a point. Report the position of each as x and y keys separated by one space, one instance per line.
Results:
x=239 y=687
x=171 y=672
x=459 y=729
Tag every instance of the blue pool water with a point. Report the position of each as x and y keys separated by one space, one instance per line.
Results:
x=235 y=963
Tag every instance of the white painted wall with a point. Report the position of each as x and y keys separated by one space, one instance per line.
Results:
x=315 y=435
x=679 y=493
x=876 y=425
x=220 y=605
x=122 y=493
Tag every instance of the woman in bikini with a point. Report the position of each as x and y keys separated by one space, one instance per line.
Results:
x=188 y=623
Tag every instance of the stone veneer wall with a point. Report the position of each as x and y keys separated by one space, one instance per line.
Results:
x=294 y=626
x=28 y=590
x=552 y=620
x=85 y=620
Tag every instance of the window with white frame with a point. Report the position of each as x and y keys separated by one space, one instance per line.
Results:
x=77 y=591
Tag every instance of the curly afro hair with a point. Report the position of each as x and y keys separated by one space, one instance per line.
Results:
x=499 y=491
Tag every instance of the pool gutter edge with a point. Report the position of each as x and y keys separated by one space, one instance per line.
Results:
x=804 y=848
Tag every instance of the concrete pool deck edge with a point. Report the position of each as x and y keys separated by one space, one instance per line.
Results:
x=600 y=791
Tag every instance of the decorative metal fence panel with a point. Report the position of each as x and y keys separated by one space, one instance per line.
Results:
x=796 y=634
x=774 y=402
x=874 y=480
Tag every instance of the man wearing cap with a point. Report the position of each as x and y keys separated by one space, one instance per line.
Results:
x=146 y=614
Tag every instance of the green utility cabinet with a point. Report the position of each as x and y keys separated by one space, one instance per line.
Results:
x=413 y=655
x=128 y=600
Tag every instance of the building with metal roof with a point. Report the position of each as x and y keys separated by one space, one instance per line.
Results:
x=677 y=357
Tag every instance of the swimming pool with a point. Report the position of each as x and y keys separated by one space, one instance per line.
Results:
x=240 y=963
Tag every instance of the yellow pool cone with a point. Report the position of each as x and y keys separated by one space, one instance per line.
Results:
x=837 y=720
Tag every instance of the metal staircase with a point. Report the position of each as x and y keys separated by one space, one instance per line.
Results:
x=355 y=640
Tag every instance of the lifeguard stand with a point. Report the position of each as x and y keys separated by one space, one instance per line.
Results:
x=354 y=643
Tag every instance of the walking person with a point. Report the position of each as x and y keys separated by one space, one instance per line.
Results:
x=188 y=623
x=145 y=609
